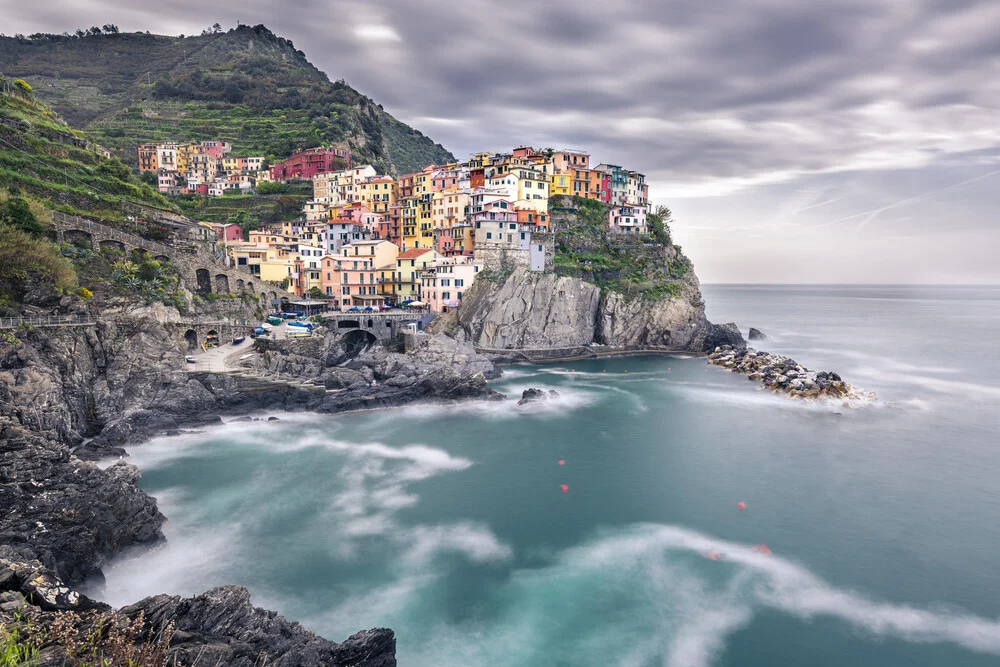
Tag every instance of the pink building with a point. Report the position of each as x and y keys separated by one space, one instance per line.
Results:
x=566 y=160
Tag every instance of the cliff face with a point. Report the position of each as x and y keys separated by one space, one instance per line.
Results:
x=542 y=310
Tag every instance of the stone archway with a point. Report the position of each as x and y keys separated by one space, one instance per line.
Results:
x=79 y=238
x=191 y=338
x=110 y=245
x=162 y=258
x=250 y=286
x=204 y=279
x=240 y=286
x=222 y=283
x=356 y=341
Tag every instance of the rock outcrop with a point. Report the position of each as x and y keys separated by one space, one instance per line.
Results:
x=218 y=627
x=756 y=334
x=532 y=310
x=533 y=395
x=783 y=375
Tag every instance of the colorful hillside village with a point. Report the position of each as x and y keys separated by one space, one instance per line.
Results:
x=368 y=240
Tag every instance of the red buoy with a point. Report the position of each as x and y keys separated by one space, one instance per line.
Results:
x=762 y=548
x=564 y=488
x=562 y=462
x=742 y=505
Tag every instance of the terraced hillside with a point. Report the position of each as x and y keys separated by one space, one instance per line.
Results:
x=247 y=86
x=42 y=156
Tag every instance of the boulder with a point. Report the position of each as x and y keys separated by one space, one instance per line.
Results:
x=720 y=335
x=532 y=395
x=756 y=334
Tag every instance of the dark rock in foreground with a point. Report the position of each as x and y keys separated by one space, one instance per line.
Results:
x=784 y=375
x=222 y=627
x=533 y=395
x=218 y=627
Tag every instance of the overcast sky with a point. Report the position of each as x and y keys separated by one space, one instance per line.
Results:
x=795 y=140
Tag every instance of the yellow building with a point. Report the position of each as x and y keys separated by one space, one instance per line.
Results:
x=449 y=208
x=408 y=223
x=276 y=270
x=561 y=184
x=378 y=194
x=425 y=222
x=409 y=264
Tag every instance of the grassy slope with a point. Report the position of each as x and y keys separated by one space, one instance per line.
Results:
x=38 y=157
x=247 y=86
x=643 y=269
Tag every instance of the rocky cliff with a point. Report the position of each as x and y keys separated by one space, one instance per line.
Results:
x=627 y=292
x=531 y=310
x=75 y=393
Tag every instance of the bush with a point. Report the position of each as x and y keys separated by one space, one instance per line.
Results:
x=20 y=253
x=85 y=293
x=271 y=188
x=22 y=85
x=17 y=212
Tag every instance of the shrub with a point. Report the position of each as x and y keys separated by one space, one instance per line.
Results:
x=17 y=212
x=22 y=85
x=85 y=293
x=20 y=253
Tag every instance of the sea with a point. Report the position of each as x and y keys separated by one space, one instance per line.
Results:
x=603 y=526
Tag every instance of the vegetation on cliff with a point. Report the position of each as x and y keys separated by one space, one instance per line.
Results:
x=647 y=267
x=42 y=156
x=245 y=85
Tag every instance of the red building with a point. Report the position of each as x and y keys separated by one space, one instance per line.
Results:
x=310 y=162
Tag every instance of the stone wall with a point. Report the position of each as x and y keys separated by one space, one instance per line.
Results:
x=201 y=271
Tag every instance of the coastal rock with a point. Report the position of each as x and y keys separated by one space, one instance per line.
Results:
x=72 y=514
x=221 y=626
x=756 y=334
x=785 y=376
x=543 y=311
x=532 y=395
x=724 y=335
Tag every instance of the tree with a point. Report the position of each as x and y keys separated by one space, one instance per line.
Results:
x=271 y=188
x=80 y=33
x=110 y=29
x=150 y=177
x=17 y=213
x=94 y=30
x=22 y=85
x=316 y=293
x=659 y=220
x=216 y=28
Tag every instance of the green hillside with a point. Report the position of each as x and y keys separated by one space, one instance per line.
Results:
x=247 y=86
x=41 y=156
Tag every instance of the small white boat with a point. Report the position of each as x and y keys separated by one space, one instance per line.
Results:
x=190 y=359
x=265 y=326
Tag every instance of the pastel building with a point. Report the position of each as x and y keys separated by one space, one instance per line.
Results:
x=442 y=286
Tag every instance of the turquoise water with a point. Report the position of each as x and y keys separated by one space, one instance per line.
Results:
x=449 y=525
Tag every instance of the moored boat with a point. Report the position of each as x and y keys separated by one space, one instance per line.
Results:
x=239 y=339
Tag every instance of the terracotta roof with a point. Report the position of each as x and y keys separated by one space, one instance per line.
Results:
x=411 y=254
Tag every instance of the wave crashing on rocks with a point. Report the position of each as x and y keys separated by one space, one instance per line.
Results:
x=784 y=375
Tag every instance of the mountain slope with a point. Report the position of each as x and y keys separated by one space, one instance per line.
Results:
x=247 y=86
